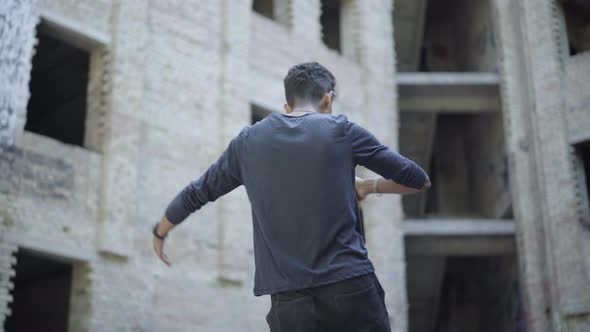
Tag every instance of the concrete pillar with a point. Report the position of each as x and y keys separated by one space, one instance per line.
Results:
x=549 y=235
x=7 y=272
x=516 y=102
x=120 y=146
x=17 y=37
x=81 y=309
x=235 y=263
x=301 y=16
x=306 y=19
x=349 y=29
x=283 y=12
x=383 y=216
x=564 y=234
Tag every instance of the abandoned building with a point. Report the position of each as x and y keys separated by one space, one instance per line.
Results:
x=108 y=108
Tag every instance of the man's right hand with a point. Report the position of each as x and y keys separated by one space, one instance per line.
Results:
x=363 y=187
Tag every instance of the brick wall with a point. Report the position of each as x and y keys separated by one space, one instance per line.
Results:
x=170 y=87
x=16 y=45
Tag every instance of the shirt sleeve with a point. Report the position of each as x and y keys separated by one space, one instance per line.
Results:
x=222 y=177
x=369 y=152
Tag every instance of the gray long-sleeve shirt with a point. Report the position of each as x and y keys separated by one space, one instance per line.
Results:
x=299 y=176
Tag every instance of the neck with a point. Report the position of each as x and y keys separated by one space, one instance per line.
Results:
x=307 y=108
x=303 y=110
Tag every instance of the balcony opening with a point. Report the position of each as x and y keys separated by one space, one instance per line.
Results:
x=59 y=79
x=41 y=295
x=444 y=36
x=330 y=21
x=264 y=8
x=465 y=157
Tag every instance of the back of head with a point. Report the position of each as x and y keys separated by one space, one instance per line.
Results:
x=307 y=83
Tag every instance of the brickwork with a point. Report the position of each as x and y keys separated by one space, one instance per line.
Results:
x=7 y=261
x=16 y=51
x=170 y=86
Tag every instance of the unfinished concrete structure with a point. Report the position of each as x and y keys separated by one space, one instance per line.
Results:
x=129 y=100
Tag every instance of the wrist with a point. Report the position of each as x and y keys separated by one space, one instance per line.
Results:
x=364 y=188
x=375 y=186
x=157 y=234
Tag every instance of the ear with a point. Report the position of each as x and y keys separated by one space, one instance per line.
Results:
x=325 y=105
x=287 y=108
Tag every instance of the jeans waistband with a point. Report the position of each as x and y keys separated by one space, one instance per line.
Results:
x=344 y=286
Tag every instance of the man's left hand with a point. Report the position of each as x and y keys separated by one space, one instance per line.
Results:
x=159 y=250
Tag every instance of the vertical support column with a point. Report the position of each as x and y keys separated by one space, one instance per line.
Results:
x=516 y=104
x=7 y=272
x=301 y=16
x=17 y=37
x=121 y=140
x=564 y=234
x=283 y=12
x=542 y=170
x=233 y=260
x=349 y=29
x=80 y=298
x=306 y=19
x=383 y=215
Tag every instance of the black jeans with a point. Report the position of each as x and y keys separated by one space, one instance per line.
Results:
x=355 y=305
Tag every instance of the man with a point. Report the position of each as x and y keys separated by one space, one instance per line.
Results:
x=298 y=170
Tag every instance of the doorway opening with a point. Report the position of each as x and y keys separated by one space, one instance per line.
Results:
x=464 y=293
x=41 y=295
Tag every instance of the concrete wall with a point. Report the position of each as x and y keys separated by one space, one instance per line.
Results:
x=16 y=48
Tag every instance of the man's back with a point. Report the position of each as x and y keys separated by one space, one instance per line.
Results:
x=299 y=175
x=298 y=169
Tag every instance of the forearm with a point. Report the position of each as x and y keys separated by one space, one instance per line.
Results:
x=369 y=152
x=164 y=227
x=398 y=169
x=385 y=186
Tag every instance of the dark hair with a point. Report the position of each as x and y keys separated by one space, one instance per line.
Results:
x=309 y=82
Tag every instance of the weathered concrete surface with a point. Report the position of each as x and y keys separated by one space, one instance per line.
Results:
x=172 y=81
x=17 y=28
x=577 y=71
x=552 y=252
